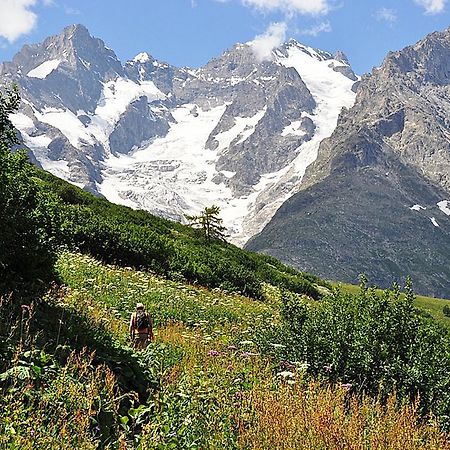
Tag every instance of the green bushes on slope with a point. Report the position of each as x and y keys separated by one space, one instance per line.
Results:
x=377 y=343
x=121 y=235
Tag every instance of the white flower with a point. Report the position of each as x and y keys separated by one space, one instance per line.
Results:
x=285 y=374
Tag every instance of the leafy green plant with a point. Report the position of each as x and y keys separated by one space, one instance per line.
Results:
x=376 y=343
x=446 y=310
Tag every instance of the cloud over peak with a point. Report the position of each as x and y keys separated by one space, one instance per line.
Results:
x=273 y=37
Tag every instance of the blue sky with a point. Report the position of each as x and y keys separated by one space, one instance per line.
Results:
x=190 y=32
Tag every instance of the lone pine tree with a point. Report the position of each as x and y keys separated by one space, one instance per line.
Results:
x=210 y=223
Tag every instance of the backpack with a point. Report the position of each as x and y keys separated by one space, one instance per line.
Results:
x=142 y=321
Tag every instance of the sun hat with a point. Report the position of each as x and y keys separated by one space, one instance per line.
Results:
x=139 y=306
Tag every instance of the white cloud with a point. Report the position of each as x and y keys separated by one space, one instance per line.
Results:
x=323 y=27
x=313 y=7
x=386 y=15
x=432 y=6
x=16 y=18
x=273 y=37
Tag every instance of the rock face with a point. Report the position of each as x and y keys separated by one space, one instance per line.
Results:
x=238 y=132
x=375 y=199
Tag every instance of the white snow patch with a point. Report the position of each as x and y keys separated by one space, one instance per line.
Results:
x=39 y=145
x=118 y=94
x=142 y=57
x=45 y=69
x=293 y=129
x=21 y=121
x=243 y=128
x=116 y=97
x=68 y=123
x=228 y=173
x=434 y=221
x=444 y=206
x=417 y=208
x=331 y=90
x=181 y=171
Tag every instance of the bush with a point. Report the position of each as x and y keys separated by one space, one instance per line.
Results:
x=29 y=219
x=378 y=343
x=446 y=310
x=120 y=235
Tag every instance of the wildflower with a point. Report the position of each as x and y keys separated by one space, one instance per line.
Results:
x=285 y=374
x=213 y=353
x=302 y=366
x=346 y=386
x=327 y=368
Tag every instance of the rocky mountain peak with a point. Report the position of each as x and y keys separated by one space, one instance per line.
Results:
x=73 y=65
x=74 y=48
x=426 y=62
x=237 y=132
x=388 y=154
x=341 y=57
x=293 y=44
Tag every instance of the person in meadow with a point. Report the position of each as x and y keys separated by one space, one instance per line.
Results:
x=141 y=328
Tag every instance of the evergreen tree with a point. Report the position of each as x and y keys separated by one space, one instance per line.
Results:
x=210 y=223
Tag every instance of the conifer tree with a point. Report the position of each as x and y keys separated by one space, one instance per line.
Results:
x=210 y=223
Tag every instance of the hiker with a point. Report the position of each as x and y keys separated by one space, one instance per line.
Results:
x=141 y=328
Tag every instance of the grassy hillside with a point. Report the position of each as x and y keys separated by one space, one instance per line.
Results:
x=136 y=238
x=216 y=377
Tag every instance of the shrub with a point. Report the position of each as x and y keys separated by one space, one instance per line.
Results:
x=378 y=343
x=446 y=310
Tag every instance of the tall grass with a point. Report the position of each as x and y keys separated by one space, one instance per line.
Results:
x=314 y=416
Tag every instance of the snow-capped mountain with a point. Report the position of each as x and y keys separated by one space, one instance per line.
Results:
x=376 y=200
x=237 y=132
